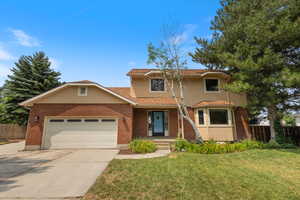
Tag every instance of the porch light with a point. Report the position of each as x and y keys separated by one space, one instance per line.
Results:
x=36 y=118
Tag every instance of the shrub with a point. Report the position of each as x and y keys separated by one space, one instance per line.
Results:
x=142 y=146
x=288 y=146
x=252 y=144
x=211 y=147
x=181 y=145
x=272 y=144
x=211 y=141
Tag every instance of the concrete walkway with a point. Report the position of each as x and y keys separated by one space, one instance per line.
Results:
x=158 y=153
x=55 y=174
x=12 y=148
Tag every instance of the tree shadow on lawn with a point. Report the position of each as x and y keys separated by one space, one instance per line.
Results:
x=13 y=167
x=289 y=150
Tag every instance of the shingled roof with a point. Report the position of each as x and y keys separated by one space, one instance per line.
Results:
x=186 y=72
x=212 y=103
x=84 y=81
x=143 y=101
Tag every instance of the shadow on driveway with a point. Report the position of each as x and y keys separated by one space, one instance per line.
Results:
x=13 y=166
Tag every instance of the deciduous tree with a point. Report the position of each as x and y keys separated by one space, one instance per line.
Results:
x=170 y=59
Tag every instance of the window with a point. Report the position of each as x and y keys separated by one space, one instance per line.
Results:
x=166 y=121
x=74 y=120
x=56 y=120
x=157 y=85
x=212 y=85
x=91 y=120
x=218 y=116
x=150 y=122
x=201 y=117
x=108 y=120
x=82 y=91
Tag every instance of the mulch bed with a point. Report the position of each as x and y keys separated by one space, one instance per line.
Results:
x=126 y=152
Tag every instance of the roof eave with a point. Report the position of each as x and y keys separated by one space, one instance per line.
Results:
x=29 y=102
x=155 y=106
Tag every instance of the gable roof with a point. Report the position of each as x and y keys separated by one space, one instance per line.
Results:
x=77 y=83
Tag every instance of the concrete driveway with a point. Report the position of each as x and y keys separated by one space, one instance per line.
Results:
x=53 y=174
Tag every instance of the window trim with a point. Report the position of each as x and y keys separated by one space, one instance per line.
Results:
x=82 y=95
x=206 y=116
x=229 y=119
x=150 y=86
x=205 y=89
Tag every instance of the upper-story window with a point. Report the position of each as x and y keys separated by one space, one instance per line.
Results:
x=212 y=85
x=157 y=85
x=82 y=91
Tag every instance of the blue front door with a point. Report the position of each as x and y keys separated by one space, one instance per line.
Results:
x=158 y=123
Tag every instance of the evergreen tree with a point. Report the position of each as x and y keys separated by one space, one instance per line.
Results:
x=258 y=43
x=31 y=76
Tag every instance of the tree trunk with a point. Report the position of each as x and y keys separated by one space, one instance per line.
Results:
x=182 y=107
x=272 y=117
x=197 y=132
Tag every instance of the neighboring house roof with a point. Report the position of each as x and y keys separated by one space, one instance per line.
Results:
x=77 y=83
x=185 y=72
x=212 y=103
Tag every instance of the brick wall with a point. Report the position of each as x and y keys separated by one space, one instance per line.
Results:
x=122 y=111
x=242 y=124
x=140 y=123
x=188 y=129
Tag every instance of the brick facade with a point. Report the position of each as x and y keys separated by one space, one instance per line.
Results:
x=124 y=113
x=140 y=122
x=242 y=124
x=131 y=122
x=189 y=133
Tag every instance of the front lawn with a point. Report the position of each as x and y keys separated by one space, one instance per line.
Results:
x=253 y=174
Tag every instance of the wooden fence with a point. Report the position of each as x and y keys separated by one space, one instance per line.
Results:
x=262 y=133
x=12 y=131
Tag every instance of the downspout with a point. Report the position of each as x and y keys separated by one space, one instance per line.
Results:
x=182 y=127
x=232 y=115
x=178 y=125
x=207 y=121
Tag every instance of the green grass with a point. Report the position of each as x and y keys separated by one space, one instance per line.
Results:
x=253 y=174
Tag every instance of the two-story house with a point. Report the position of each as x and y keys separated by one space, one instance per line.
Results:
x=85 y=114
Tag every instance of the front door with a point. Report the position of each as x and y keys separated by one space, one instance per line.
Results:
x=158 y=123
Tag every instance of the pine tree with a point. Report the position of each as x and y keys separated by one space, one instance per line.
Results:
x=31 y=76
x=258 y=43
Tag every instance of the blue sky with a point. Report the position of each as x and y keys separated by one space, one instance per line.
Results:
x=95 y=40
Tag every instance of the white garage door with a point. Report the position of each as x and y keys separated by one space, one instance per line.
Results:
x=63 y=133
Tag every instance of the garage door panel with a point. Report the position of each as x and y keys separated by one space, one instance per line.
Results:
x=83 y=134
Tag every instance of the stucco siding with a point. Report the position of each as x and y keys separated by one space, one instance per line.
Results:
x=221 y=134
x=70 y=95
x=194 y=91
